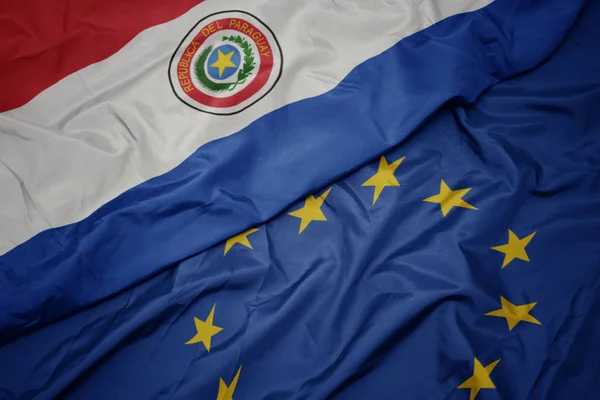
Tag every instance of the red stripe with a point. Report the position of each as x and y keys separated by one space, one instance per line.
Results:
x=42 y=41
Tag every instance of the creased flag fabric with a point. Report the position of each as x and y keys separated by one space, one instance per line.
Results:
x=330 y=199
x=113 y=127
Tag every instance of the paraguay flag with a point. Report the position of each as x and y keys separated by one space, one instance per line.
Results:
x=325 y=199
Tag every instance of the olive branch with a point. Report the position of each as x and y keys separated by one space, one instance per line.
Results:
x=243 y=73
x=248 y=66
x=201 y=76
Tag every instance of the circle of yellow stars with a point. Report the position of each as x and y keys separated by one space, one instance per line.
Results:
x=448 y=199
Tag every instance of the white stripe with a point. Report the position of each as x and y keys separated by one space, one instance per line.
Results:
x=117 y=123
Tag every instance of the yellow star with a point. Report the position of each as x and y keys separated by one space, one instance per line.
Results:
x=515 y=248
x=448 y=198
x=514 y=314
x=242 y=239
x=223 y=61
x=384 y=177
x=311 y=210
x=206 y=330
x=226 y=392
x=480 y=378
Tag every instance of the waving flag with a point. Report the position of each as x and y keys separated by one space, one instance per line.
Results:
x=275 y=200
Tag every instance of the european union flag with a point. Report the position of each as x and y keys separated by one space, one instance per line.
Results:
x=462 y=263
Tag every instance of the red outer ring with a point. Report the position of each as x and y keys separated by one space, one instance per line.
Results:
x=262 y=76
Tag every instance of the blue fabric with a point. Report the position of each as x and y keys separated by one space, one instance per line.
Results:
x=379 y=301
x=232 y=184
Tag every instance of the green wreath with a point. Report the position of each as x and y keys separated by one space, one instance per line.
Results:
x=243 y=73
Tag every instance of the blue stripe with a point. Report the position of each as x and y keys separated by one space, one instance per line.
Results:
x=234 y=183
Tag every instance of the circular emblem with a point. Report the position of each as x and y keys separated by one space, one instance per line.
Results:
x=227 y=62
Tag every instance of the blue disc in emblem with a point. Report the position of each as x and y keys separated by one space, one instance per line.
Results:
x=223 y=62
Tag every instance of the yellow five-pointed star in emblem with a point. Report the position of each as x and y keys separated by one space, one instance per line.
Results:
x=242 y=239
x=223 y=61
x=480 y=378
x=226 y=392
x=514 y=314
x=205 y=330
x=448 y=198
x=384 y=177
x=515 y=248
x=311 y=210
